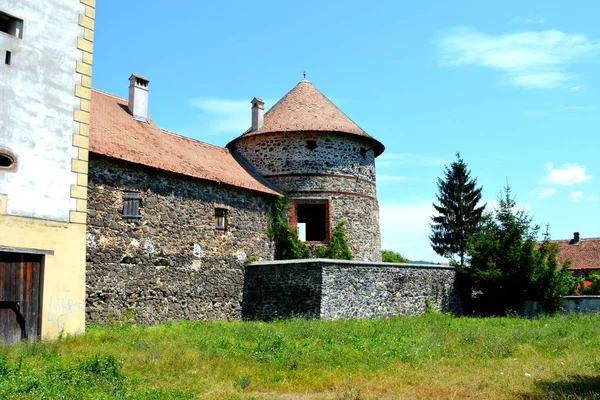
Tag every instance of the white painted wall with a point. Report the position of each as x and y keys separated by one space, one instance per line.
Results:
x=36 y=106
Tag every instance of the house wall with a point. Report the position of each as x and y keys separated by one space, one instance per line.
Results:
x=37 y=93
x=172 y=264
x=44 y=122
x=335 y=170
x=333 y=289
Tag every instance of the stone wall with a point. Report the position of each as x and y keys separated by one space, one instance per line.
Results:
x=333 y=289
x=335 y=153
x=340 y=169
x=171 y=264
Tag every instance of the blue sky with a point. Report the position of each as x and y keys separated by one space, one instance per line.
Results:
x=513 y=86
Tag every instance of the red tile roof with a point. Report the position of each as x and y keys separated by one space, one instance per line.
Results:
x=114 y=133
x=583 y=255
x=306 y=109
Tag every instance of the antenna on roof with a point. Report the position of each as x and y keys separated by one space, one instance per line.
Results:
x=304 y=73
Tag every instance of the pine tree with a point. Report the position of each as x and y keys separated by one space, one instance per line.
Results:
x=458 y=215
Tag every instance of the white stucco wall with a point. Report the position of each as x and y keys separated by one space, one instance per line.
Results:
x=36 y=106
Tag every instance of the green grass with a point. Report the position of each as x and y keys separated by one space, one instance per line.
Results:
x=430 y=356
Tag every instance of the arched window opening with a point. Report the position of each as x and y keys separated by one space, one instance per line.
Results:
x=8 y=162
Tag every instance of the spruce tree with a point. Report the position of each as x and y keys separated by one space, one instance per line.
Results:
x=458 y=215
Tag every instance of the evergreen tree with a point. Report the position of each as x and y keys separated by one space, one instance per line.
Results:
x=507 y=267
x=458 y=215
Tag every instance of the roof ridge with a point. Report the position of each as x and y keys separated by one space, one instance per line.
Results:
x=108 y=94
x=192 y=139
x=568 y=240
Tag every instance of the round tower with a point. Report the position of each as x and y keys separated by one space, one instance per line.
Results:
x=322 y=161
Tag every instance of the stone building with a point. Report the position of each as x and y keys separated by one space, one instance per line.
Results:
x=172 y=221
x=44 y=126
x=322 y=161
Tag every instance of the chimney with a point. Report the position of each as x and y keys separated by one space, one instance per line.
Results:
x=138 y=97
x=258 y=113
x=575 y=238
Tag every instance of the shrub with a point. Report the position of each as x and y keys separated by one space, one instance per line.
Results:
x=337 y=249
x=393 y=257
x=287 y=244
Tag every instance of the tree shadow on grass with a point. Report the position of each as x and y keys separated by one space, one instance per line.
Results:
x=574 y=387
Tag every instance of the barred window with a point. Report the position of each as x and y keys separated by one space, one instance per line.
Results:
x=131 y=206
x=221 y=219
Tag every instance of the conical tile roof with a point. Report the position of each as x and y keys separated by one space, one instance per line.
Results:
x=306 y=109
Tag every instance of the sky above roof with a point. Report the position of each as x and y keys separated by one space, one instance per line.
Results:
x=513 y=87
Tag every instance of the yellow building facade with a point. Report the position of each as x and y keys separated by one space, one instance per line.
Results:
x=45 y=94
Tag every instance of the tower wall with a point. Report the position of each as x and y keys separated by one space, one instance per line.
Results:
x=332 y=167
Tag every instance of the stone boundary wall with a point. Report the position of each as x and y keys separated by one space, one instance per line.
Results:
x=334 y=289
x=568 y=304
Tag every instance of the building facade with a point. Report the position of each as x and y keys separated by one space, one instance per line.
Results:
x=45 y=93
x=323 y=162
x=172 y=221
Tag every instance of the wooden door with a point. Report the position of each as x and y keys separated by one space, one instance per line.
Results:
x=19 y=296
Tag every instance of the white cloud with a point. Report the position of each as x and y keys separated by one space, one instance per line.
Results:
x=567 y=174
x=576 y=196
x=223 y=115
x=530 y=59
x=405 y=229
x=392 y=178
x=592 y=198
x=388 y=159
x=540 y=193
x=527 y=20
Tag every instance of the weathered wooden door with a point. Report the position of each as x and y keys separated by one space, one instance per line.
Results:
x=19 y=296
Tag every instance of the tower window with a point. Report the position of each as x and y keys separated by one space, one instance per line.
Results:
x=221 y=220
x=7 y=57
x=131 y=206
x=11 y=25
x=316 y=219
x=311 y=144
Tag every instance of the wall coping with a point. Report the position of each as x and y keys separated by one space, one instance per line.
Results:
x=347 y=263
x=586 y=297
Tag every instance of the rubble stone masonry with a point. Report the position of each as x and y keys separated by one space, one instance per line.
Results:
x=336 y=167
x=172 y=263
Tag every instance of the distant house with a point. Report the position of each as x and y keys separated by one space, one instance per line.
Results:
x=583 y=253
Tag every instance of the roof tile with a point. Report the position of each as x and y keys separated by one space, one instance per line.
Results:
x=306 y=109
x=114 y=133
x=583 y=255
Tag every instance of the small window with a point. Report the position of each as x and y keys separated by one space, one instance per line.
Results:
x=221 y=219
x=311 y=144
x=11 y=25
x=8 y=161
x=363 y=152
x=131 y=206
x=315 y=217
x=7 y=57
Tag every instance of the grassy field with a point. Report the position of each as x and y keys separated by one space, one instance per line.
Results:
x=430 y=356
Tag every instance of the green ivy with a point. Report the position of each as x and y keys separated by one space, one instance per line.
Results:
x=287 y=244
x=337 y=249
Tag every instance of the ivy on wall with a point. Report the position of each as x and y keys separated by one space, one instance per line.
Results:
x=287 y=244
x=337 y=249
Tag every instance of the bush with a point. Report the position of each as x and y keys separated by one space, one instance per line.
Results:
x=337 y=249
x=287 y=244
x=393 y=257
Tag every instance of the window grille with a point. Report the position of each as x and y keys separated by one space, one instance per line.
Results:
x=221 y=219
x=131 y=206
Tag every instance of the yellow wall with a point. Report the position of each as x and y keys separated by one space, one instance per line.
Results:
x=63 y=274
